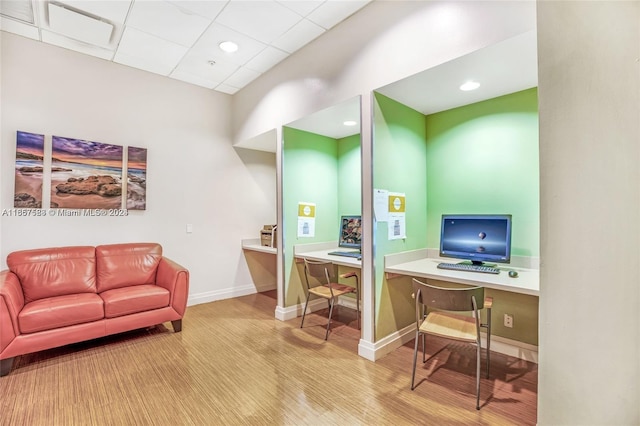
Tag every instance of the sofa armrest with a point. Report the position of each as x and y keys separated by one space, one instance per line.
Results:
x=174 y=278
x=11 y=303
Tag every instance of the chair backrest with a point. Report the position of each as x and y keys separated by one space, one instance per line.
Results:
x=322 y=271
x=448 y=299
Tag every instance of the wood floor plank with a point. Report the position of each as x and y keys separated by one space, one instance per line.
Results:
x=235 y=364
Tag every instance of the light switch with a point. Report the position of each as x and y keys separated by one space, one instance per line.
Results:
x=189 y=228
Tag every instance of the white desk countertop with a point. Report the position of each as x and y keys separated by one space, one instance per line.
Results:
x=320 y=252
x=253 y=244
x=527 y=281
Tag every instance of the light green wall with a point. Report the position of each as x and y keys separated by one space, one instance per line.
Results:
x=483 y=158
x=399 y=166
x=480 y=158
x=321 y=170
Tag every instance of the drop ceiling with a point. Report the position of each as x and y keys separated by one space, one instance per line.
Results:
x=180 y=39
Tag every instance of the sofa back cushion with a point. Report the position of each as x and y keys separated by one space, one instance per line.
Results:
x=56 y=271
x=123 y=265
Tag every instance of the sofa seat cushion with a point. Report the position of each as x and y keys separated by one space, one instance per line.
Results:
x=60 y=311
x=137 y=298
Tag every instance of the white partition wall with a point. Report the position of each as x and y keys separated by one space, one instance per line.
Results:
x=589 y=75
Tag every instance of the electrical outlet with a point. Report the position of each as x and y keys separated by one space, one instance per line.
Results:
x=508 y=320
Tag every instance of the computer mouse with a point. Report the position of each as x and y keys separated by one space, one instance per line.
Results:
x=513 y=274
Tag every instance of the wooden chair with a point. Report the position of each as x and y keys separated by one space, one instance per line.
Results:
x=447 y=321
x=328 y=289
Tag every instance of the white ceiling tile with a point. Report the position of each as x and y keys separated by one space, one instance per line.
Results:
x=225 y=88
x=79 y=26
x=141 y=64
x=167 y=21
x=301 y=7
x=78 y=46
x=152 y=53
x=331 y=12
x=242 y=77
x=111 y=10
x=262 y=20
x=192 y=79
x=19 y=28
x=302 y=33
x=196 y=63
x=266 y=59
x=216 y=34
x=209 y=8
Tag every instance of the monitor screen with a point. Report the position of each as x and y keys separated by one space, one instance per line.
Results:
x=350 y=231
x=479 y=238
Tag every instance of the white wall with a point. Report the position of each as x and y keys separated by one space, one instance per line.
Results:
x=194 y=174
x=2 y=255
x=589 y=101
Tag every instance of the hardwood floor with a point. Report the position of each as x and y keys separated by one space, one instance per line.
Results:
x=233 y=363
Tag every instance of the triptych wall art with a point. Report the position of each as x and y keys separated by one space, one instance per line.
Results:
x=84 y=174
x=29 y=168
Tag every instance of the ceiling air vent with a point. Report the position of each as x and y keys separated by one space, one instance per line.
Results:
x=21 y=10
x=78 y=26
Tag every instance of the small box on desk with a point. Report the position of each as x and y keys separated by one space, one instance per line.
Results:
x=268 y=235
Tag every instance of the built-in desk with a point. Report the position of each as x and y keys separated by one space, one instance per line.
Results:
x=527 y=282
x=320 y=252
x=521 y=303
x=253 y=244
x=262 y=265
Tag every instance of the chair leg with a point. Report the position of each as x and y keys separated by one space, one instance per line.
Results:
x=358 y=308
x=177 y=325
x=424 y=348
x=478 y=351
x=326 y=336
x=415 y=357
x=304 y=311
x=488 y=353
x=488 y=350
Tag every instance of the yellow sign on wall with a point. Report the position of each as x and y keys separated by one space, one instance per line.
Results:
x=306 y=210
x=396 y=203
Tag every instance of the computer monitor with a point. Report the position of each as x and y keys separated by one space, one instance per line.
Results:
x=350 y=231
x=478 y=238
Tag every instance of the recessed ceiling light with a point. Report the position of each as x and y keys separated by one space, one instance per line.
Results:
x=469 y=85
x=350 y=123
x=228 y=46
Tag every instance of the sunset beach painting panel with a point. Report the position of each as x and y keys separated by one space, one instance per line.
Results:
x=85 y=174
x=29 y=167
x=136 y=178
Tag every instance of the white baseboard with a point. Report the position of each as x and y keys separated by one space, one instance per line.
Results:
x=295 y=311
x=377 y=350
x=513 y=348
x=393 y=341
x=212 y=296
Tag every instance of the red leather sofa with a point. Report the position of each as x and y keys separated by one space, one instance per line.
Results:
x=56 y=296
